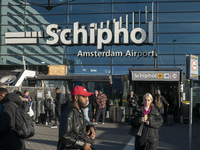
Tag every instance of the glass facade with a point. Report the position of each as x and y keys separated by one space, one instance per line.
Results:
x=176 y=33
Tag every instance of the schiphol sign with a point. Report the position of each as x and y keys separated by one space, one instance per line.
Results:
x=96 y=34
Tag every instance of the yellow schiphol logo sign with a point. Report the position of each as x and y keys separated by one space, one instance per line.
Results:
x=160 y=75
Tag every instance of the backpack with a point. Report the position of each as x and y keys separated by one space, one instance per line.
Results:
x=24 y=125
x=158 y=103
x=47 y=103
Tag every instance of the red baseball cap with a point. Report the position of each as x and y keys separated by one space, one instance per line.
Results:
x=79 y=90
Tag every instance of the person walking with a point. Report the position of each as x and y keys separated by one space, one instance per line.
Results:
x=159 y=102
x=48 y=107
x=101 y=107
x=8 y=137
x=57 y=101
x=151 y=120
x=74 y=133
x=93 y=101
x=132 y=99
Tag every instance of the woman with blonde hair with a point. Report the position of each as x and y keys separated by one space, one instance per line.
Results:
x=150 y=119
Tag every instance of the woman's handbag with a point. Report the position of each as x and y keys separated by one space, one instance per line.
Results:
x=136 y=131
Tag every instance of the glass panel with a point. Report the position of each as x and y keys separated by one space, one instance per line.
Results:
x=179 y=38
x=89 y=70
x=45 y=9
x=45 y=49
x=179 y=6
x=179 y=17
x=119 y=70
x=45 y=59
x=12 y=2
x=179 y=27
x=171 y=59
x=46 y=19
x=12 y=10
x=90 y=8
x=11 y=50
x=87 y=60
x=12 y=20
x=11 y=60
x=132 y=7
x=12 y=28
x=179 y=49
x=89 y=18
x=134 y=1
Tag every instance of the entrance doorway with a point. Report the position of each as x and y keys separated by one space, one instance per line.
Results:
x=170 y=90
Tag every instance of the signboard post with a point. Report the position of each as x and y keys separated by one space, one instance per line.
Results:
x=192 y=74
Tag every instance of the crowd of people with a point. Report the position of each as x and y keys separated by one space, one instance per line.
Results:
x=76 y=126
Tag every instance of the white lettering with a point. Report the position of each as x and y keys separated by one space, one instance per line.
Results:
x=52 y=34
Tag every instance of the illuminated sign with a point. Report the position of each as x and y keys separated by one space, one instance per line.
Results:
x=111 y=32
x=155 y=75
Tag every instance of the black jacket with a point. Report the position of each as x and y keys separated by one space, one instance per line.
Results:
x=150 y=132
x=71 y=128
x=132 y=104
x=8 y=137
x=93 y=101
x=59 y=99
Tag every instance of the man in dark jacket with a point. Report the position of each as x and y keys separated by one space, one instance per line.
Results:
x=132 y=99
x=58 y=100
x=8 y=137
x=72 y=129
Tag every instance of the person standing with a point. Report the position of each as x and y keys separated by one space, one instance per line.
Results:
x=94 y=105
x=26 y=94
x=57 y=101
x=101 y=107
x=48 y=106
x=132 y=99
x=8 y=137
x=73 y=132
x=159 y=102
x=148 y=116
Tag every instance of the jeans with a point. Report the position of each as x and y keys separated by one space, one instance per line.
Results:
x=99 y=112
x=57 y=113
x=48 y=118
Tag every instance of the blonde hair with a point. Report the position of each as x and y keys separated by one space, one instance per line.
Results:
x=148 y=95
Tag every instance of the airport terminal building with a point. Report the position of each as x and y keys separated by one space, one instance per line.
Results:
x=102 y=44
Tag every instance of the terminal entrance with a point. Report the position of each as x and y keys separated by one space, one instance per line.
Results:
x=168 y=80
x=170 y=90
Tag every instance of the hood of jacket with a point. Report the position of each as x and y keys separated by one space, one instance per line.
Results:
x=12 y=97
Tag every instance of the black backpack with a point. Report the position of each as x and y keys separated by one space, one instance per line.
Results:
x=47 y=103
x=24 y=125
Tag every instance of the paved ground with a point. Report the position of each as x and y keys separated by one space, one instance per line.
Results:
x=113 y=136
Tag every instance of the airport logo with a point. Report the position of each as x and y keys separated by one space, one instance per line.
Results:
x=100 y=34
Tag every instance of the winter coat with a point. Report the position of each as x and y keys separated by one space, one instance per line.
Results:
x=51 y=106
x=132 y=104
x=163 y=100
x=93 y=101
x=59 y=99
x=72 y=125
x=8 y=137
x=150 y=132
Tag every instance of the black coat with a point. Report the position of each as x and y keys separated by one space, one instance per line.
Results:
x=59 y=99
x=71 y=126
x=131 y=103
x=8 y=137
x=150 y=132
x=93 y=101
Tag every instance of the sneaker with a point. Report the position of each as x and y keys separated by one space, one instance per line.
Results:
x=46 y=123
x=94 y=122
x=102 y=122
x=54 y=127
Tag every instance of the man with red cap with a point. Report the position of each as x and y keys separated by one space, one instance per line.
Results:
x=73 y=132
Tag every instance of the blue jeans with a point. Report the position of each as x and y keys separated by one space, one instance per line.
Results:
x=85 y=111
